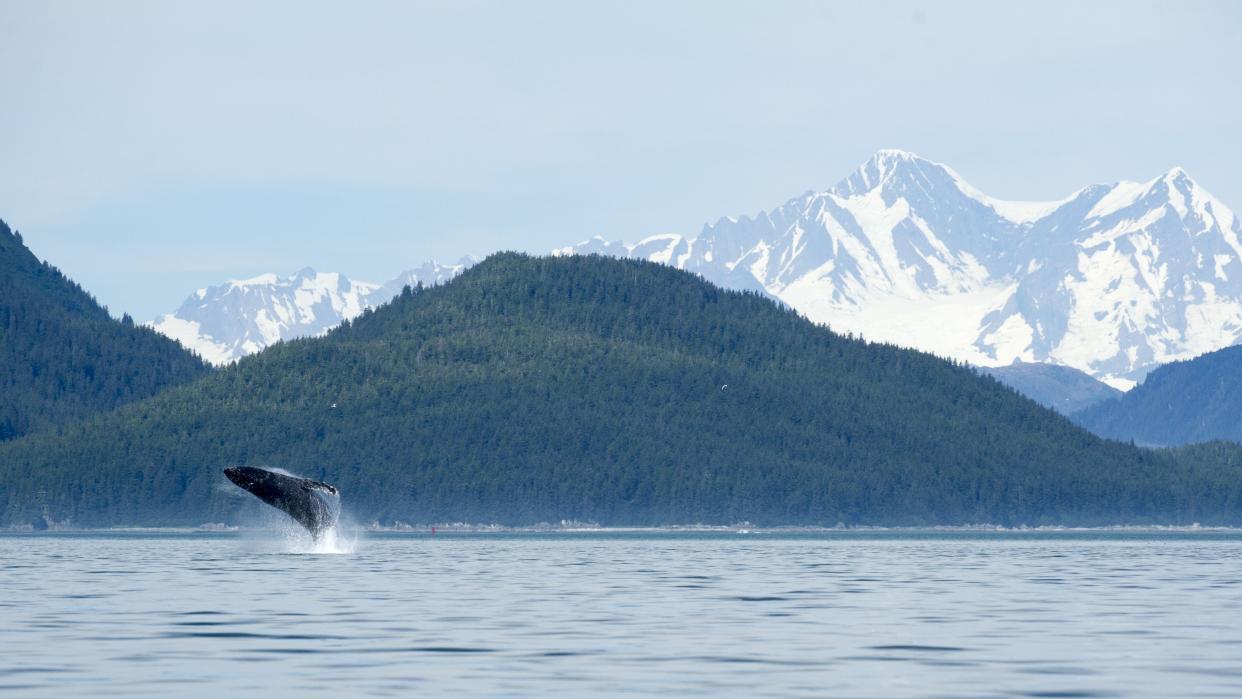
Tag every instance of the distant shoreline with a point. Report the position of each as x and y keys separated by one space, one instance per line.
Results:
x=452 y=529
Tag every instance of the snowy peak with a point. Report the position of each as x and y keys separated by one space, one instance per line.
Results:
x=901 y=174
x=261 y=280
x=1111 y=280
x=428 y=274
x=1191 y=202
x=898 y=174
x=240 y=317
x=226 y=322
x=1174 y=190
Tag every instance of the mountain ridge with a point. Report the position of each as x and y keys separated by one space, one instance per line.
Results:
x=904 y=250
x=63 y=357
x=1112 y=280
x=1061 y=388
x=1180 y=403
x=615 y=391
x=226 y=322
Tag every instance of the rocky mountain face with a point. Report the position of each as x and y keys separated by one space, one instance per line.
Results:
x=227 y=322
x=1112 y=280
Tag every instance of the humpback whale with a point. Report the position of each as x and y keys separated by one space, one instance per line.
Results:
x=312 y=504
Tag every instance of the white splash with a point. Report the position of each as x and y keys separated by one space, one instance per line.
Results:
x=333 y=541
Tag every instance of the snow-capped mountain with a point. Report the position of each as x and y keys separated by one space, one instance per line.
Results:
x=1112 y=280
x=227 y=322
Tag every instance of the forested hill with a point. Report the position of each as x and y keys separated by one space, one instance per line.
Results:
x=1064 y=389
x=623 y=392
x=62 y=357
x=1192 y=401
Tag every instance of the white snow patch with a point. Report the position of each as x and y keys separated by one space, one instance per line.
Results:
x=261 y=280
x=1221 y=261
x=1118 y=382
x=188 y=333
x=1012 y=340
x=944 y=324
x=1122 y=194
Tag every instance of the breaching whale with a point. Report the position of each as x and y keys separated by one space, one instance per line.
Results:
x=312 y=504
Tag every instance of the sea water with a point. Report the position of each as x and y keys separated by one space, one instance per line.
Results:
x=717 y=614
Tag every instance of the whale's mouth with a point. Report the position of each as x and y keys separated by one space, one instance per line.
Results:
x=239 y=477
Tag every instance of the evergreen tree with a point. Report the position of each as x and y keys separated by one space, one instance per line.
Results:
x=624 y=392
x=62 y=357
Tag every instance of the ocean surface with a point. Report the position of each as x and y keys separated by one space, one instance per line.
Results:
x=593 y=614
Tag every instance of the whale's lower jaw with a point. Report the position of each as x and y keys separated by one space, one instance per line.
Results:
x=315 y=506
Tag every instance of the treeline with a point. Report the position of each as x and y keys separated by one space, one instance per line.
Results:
x=623 y=392
x=62 y=357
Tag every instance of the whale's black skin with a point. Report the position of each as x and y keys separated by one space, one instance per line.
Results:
x=312 y=504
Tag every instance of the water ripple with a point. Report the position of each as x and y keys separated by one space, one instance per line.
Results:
x=913 y=615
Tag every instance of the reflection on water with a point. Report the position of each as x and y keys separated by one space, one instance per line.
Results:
x=594 y=614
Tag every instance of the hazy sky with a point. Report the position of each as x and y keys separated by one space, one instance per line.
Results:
x=148 y=149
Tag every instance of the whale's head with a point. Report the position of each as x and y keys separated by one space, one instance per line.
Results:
x=244 y=476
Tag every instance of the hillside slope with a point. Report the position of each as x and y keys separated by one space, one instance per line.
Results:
x=1197 y=400
x=624 y=392
x=1064 y=389
x=62 y=357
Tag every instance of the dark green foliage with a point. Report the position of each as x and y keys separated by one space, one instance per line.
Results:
x=536 y=389
x=1179 y=403
x=62 y=357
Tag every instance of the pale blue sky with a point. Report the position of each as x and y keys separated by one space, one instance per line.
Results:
x=149 y=148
